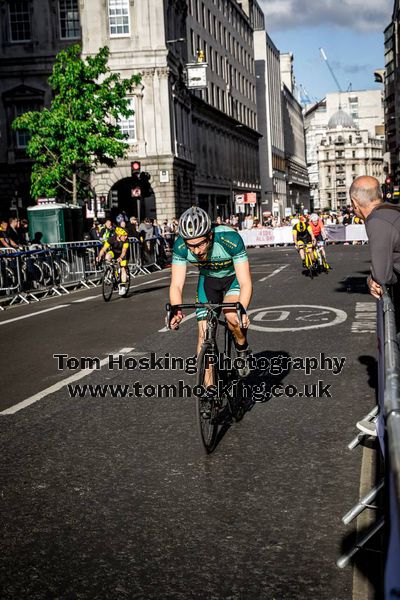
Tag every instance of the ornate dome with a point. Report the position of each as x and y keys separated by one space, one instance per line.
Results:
x=341 y=119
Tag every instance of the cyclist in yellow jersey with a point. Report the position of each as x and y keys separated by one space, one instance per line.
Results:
x=117 y=247
x=302 y=235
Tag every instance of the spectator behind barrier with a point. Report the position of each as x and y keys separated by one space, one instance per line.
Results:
x=106 y=230
x=23 y=232
x=382 y=222
x=146 y=232
x=5 y=240
x=12 y=230
x=94 y=233
x=131 y=228
x=146 y=228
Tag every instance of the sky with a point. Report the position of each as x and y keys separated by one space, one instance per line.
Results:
x=349 y=31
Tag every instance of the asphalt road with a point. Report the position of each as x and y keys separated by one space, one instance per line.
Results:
x=114 y=498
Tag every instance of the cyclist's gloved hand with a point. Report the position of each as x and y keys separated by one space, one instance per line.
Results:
x=176 y=319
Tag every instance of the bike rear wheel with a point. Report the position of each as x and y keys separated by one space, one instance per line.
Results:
x=207 y=409
x=108 y=283
x=236 y=405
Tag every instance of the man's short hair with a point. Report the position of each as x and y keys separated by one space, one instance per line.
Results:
x=365 y=194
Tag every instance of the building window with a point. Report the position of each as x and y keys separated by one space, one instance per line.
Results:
x=69 y=19
x=22 y=136
x=19 y=21
x=118 y=16
x=128 y=126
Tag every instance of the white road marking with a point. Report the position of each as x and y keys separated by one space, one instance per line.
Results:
x=86 y=299
x=305 y=313
x=39 y=312
x=57 y=386
x=274 y=272
x=365 y=318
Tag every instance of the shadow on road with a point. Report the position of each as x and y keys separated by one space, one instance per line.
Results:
x=354 y=284
x=146 y=290
x=257 y=387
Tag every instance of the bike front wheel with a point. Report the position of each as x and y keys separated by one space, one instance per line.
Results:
x=309 y=265
x=207 y=408
x=108 y=284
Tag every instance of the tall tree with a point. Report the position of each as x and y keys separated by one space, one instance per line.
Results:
x=80 y=129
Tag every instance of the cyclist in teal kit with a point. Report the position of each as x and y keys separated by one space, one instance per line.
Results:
x=219 y=253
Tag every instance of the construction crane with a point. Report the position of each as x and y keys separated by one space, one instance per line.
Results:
x=324 y=57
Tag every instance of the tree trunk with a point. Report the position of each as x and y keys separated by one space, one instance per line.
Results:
x=74 y=189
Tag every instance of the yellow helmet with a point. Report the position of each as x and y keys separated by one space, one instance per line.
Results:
x=301 y=226
x=120 y=231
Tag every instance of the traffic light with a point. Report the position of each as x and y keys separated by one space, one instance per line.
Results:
x=135 y=168
x=387 y=188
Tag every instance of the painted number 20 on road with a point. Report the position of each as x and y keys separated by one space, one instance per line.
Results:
x=295 y=317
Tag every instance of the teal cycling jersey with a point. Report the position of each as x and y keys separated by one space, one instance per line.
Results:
x=227 y=249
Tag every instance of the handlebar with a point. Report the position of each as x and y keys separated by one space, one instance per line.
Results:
x=173 y=308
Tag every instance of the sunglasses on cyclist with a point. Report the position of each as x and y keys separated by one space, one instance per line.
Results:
x=199 y=245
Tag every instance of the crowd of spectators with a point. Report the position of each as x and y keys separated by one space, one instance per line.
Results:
x=13 y=233
x=343 y=217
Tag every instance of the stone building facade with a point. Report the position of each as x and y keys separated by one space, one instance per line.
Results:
x=197 y=146
x=224 y=115
x=345 y=152
x=270 y=123
x=298 y=189
x=392 y=92
x=366 y=109
x=31 y=34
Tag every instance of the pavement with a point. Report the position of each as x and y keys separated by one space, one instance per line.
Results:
x=114 y=498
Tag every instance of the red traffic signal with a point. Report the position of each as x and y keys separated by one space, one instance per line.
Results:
x=135 y=167
x=388 y=180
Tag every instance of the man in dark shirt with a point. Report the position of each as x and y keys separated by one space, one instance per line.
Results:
x=12 y=230
x=382 y=222
x=5 y=241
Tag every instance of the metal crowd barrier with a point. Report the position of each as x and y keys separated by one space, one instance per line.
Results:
x=386 y=419
x=30 y=274
x=390 y=443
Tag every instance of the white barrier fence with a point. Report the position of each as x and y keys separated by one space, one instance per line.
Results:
x=283 y=235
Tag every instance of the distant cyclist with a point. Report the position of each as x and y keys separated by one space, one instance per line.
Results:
x=304 y=239
x=219 y=253
x=117 y=247
x=318 y=229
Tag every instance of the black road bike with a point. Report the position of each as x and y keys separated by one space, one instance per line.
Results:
x=218 y=400
x=112 y=279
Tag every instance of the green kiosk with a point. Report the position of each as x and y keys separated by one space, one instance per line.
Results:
x=52 y=223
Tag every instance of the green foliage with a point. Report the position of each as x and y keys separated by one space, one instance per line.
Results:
x=79 y=131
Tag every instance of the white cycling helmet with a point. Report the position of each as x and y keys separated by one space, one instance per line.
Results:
x=314 y=217
x=194 y=223
x=295 y=221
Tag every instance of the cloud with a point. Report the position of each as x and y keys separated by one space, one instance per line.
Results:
x=351 y=69
x=362 y=15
